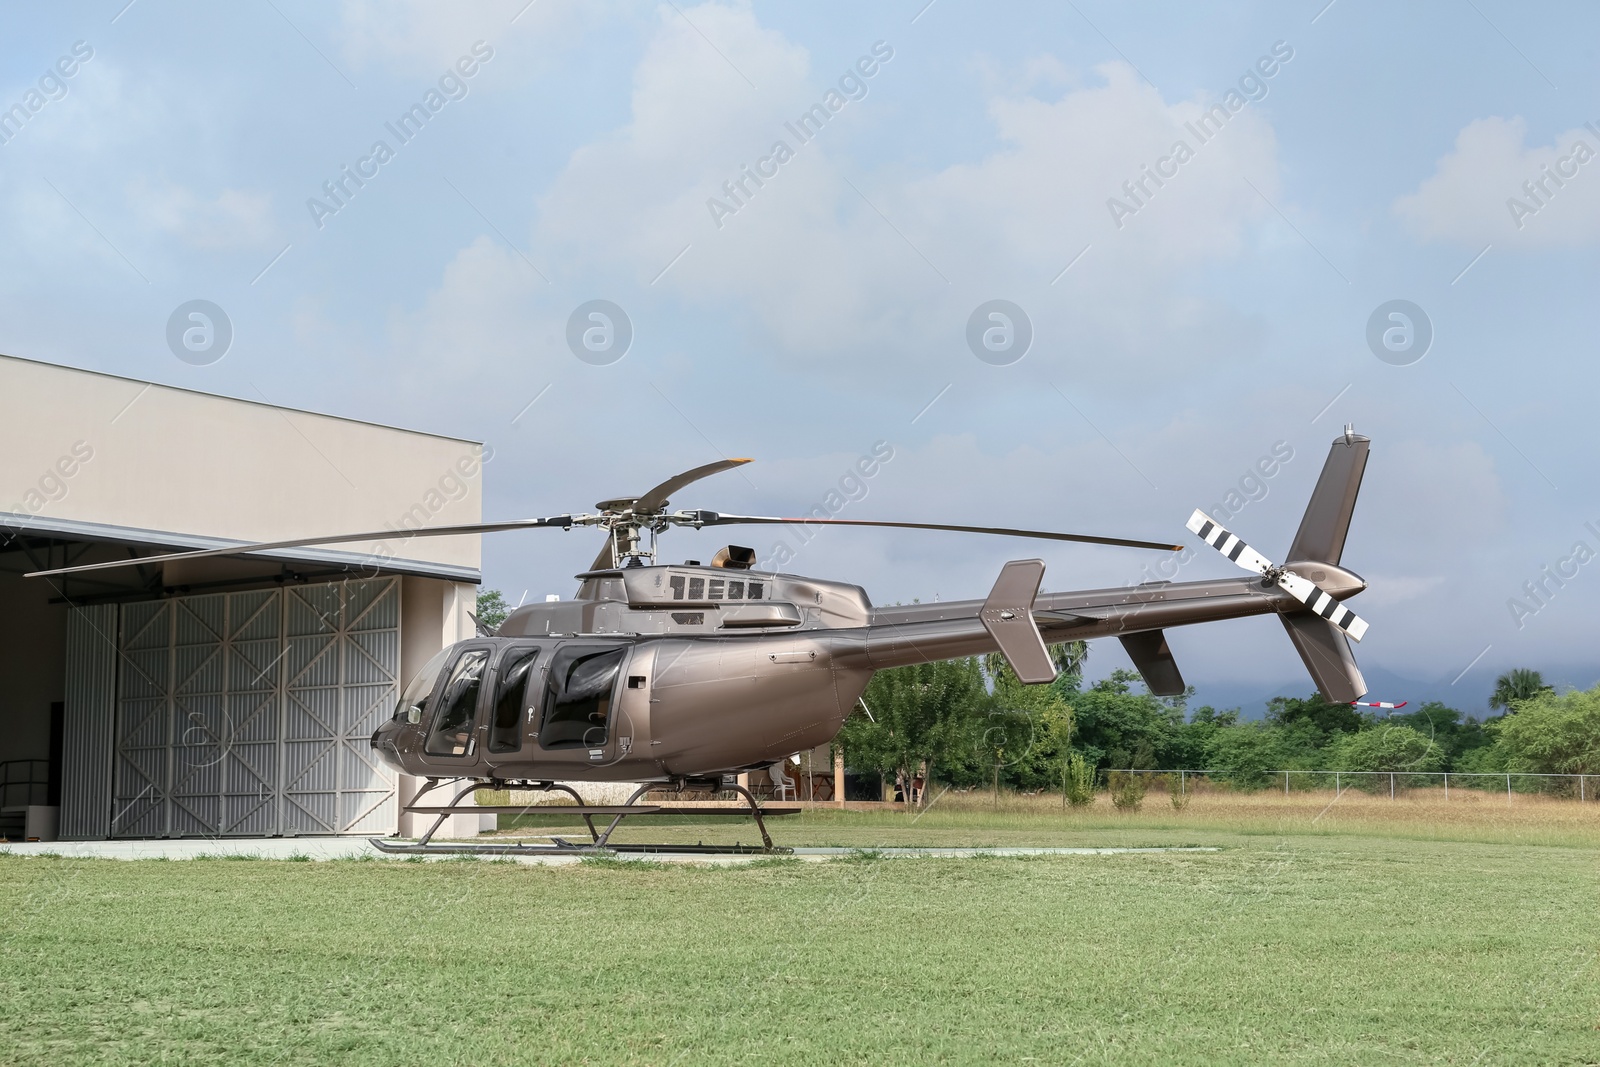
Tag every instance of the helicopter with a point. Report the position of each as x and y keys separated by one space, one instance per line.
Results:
x=674 y=675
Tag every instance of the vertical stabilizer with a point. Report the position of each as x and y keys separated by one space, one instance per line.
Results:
x=1327 y=656
x=1327 y=517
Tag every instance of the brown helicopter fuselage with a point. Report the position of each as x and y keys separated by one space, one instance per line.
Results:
x=710 y=670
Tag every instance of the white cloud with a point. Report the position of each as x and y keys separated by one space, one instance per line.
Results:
x=422 y=38
x=482 y=316
x=234 y=218
x=1493 y=187
x=833 y=262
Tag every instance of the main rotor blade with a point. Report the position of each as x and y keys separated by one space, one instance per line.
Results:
x=712 y=518
x=656 y=499
x=562 y=521
x=1212 y=533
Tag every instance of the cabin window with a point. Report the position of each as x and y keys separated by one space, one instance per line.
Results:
x=419 y=694
x=513 y=696
x=714 y=590
x=755 y=591
x=577 y=702
x=676 y=581
x=735 y=590
x=458 y=703
x=697 y=588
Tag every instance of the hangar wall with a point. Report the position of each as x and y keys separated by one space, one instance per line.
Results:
x=97 y=467
x=32 y=665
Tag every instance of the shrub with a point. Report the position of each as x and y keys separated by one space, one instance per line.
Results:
x=1177 y=795
x=1080 y=781
x=1127 y=790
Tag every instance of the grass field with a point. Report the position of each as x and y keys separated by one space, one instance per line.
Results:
x=1307 y=939
x=976 y=819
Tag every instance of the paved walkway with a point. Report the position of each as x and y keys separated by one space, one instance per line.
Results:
x=332 y=848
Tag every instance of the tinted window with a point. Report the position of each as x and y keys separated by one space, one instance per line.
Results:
x=577 y=707
x=512 y=698
x=419 y=694
x=458 y=701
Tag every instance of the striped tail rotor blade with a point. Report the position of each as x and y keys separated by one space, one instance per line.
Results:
x=1377 y=704
x=1212 y=533
x=1313 y=597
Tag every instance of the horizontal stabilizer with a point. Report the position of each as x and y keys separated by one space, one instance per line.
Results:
x=1008 y=616
x=1150 y=654
x=1326 y=654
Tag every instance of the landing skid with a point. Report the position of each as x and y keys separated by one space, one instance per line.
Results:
x=569 y=848
x=600 y=840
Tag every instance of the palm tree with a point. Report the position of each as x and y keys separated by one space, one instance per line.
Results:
x=1069 y=659
x=1516 y=686
x=1071 y=656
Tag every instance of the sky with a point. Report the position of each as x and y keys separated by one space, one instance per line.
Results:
x=1199 y=218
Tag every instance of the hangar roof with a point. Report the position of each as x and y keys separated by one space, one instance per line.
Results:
x=87 y=456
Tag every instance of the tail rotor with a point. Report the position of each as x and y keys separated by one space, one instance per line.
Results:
x=1313 y=596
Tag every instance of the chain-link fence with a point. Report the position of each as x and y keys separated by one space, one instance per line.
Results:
x=1393 y=784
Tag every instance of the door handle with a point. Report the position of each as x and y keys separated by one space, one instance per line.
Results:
x=472 y=745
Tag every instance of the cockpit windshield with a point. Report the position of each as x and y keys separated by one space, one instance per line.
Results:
x=419 y=693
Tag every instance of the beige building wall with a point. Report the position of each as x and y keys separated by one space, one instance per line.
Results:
x=434 y=614
x=83 y=453
x=77 y=445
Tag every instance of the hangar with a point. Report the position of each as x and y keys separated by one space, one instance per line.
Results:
x=219 y=697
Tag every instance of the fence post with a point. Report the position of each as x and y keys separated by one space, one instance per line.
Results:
x=1447 y=786
x=1285 y=783
x=1580 y=789
x=1336 y=785
x=1508 y=790
x=1182 y=788
x=1391 y=785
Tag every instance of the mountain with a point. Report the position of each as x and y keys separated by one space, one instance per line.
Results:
x=1468 y=694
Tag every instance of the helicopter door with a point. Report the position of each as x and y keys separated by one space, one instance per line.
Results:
x=516 y=699
x=579 y=699
x=453 y=740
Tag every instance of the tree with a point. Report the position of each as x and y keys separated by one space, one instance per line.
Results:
x=1455 y=735
x=492 y=608
x=1387 y=748
x=1193 y=738
x=1070 y=657
x=1246 y=754
x=1329 y=718
x=919 y=716
x=1552 y=734
x=1120 y=728
x=1516 y=686
x=1027 y=731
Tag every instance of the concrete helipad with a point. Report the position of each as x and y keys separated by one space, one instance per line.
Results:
x=346 y=848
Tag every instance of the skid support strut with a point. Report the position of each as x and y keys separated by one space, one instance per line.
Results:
x=599 y=840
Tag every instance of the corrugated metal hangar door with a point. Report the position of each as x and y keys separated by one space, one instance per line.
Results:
x=248 y=714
